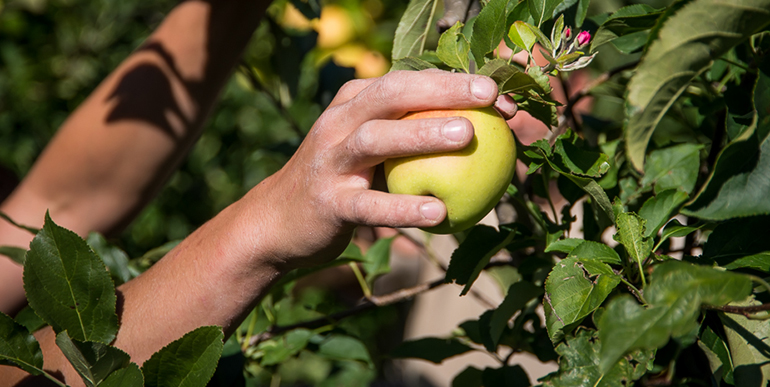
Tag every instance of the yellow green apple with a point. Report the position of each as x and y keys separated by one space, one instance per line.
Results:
x=470 y=181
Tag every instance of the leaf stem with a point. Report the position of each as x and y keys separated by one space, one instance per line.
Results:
x=637 y=293
x=51 y=378
x=760 y=281
x=361 y=280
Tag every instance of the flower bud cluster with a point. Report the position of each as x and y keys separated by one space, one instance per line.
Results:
x=568 y=53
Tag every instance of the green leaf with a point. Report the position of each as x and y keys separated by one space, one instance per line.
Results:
x=658 y=209
x=473 y=254
x=542 y=10
x=680 y=53
x=557 y=32
x=579 y=161
x=522 y=36
x=675 y=229
x=544 y=112
x=541 y=38
x=631 y=234
x=413 y=28
x=488 y=30
x=114 y=258
x=625 y=21
x=759 y=261
x=470 y=377
x=280 y=349
x=509 y=79
x=582 y=11
x=453 y=48
x=720 y=361
x=411 y=64
x=579 y=364
x=518 y=296
x=595 y=251
x=676 y=292
x=505 y=376
x=18 y=347
x=17 y=225
x=432 y=349
x=130 y=376
x=674 y=167
x=564 y=245
x=93 y=361
x=186 y=362
x=68 y=285
x=377 y=260
x=343 y=347
x=29 y=319
x=16 y=254
x=749 y=342
x=573 y=290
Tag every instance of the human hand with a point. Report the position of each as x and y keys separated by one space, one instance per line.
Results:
x=322 y=193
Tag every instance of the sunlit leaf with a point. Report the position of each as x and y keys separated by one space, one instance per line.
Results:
x=749 y=342
x=489 y=29
x=658 y=209
x=718 y=355
x=187 y=362
x=412 y=31
x=453 y=48
x=631 y=234
x=542 y=10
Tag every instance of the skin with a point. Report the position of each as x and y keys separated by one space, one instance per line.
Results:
x=469 y=182
x=217 y=274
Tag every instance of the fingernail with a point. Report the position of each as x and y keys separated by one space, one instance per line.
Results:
x=431 y=210
x=454 y=130
x=483 y=88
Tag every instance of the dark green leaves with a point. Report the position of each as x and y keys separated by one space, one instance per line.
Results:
x=187 y=362
x=625 y=21
x=69 y=287
x=278 y=350
x=474 y=253
x=377 y=260
x=675 y=295
x=93 y=361
x=488 y=29
x=680 y=53
x=18 y=347
x=413 y=29
x=432 y=349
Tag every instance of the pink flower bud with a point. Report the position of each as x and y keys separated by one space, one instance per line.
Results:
x=583 y=38
x=567 y=32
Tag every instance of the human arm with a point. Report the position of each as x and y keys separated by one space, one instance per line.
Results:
x=117 y=149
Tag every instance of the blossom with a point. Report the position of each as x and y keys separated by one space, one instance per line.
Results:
x=567 y=32
x=583 y=38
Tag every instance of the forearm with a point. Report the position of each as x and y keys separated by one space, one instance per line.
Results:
x=122 y=143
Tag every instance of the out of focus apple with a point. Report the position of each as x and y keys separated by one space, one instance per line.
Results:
x=470 y=181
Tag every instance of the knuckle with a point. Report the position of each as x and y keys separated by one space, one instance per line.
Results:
x=363 y=141
x=350 y=88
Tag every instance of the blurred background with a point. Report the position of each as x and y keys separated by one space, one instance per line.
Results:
x=53 y=53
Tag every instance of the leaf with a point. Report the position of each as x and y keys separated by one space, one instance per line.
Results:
x=8 y=219
x=582 y=11
x=658 y=209
x=595 y=251
x=759 y=261
x=411 y=64
x=377 y=260
x=29 y=319
x=280 y=349
x=488 y=30
x=16 y=254
x=545 y=113
x=542 y=10
x=541 y=38
x=130 y=376
x=675 y=229
x=557 y=32
x=749 y=342
x=93 y=361
x=505 y=376
x=518 y=296
x=720 y=361
x=509 y=79
x=413 y=28
x=573 y=290
x=678 y=55
x=578 y=160
x=18 y=347
x=676 y=292
x=473 y=254
x=343 y=347
x=114 y=258
x=470 y=377
x=522 y=36
x=579 y=364
x=674 y=167
x=68 y=286
x=631 y=231
x=432 y=349
x=625 y=21
x=453 y=48
x=186 y=362
x=564 y=245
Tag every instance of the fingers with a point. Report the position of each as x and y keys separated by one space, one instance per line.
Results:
x=377 y=140
x=506 y=106
x=400 y=92
x=350 y=89
x=374 y=208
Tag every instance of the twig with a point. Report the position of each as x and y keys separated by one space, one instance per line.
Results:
x=742 y=310
x=374 y=302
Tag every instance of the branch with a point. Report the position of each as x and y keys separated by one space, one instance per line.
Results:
x=374 y=302
x=742 y=310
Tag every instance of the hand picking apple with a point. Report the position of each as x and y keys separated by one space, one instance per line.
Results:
x=470 y=181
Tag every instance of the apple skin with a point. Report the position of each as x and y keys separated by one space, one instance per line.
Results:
x=470 y=181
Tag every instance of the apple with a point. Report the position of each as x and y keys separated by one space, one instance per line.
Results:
x=470 y=181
